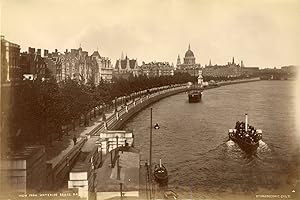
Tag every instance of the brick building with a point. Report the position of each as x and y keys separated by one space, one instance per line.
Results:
x=230 y=70
x=78 y=65
x=154 y=69
x=54 y=64
x=125 y=66
x=10 y=61
x=33 y=65
x=105 y=70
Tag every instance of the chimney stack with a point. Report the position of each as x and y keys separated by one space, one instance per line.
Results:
x=31 y=50
x=46 y=53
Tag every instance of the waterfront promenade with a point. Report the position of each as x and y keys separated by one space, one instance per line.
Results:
x=114 y=120
x=60 y=148
x=60 y=165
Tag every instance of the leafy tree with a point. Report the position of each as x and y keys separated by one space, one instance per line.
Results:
x=39 y=109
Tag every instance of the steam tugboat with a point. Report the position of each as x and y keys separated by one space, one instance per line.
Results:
x=194 y=96
x=246 y=136
x=160 y=174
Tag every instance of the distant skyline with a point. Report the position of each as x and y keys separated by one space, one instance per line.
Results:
x=262 y=33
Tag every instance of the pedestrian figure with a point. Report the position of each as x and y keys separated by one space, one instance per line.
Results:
x=74 y=140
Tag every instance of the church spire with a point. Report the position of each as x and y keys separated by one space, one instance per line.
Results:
x=178 y=60
x=122 y=56
x=209 y=62
x=189 y=47
x=232 y=60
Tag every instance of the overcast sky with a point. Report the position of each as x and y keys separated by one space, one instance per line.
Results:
x=262 y=33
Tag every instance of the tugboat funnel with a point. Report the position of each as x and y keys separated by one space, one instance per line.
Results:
x=159 y=162
x=246 y=122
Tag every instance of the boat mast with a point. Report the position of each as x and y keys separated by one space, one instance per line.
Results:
x=194 y=76
x=150 y=156
x=246 y=122
x=150 y=159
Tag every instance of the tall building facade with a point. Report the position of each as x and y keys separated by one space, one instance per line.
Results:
x=125 y=66
x=53 y=63
x=154 y=69
x=105 y=70
x=33 y=64
x=78 y=65
x=10 y=61
x=230 y=70
x=189 y=64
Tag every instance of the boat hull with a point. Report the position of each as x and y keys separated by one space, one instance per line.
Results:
x=161 y=175
x=245 y=135
x=194 y=97
x=247 y=147
x=161 y=180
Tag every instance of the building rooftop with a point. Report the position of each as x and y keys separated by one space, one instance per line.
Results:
x=189 y=52
x=96 y=54
x=132 y=63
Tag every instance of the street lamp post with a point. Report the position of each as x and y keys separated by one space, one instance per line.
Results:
x=116 y=104
x=150 y=156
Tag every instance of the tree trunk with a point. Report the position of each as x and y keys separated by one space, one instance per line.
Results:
x=101 y=111
x=58 y=128
x=74 y=125
x=66 y=130
x=86 y=122
x=43 y=135
x=50 y=139
x=39 y=133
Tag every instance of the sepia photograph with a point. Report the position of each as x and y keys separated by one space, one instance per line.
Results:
x=150 y=99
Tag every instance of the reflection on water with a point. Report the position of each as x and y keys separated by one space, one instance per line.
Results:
x=194 y=145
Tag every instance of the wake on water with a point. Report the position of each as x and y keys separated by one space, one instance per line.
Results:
x=232 y=148
x=263 y=147
x=235 y=152
x=230 y=143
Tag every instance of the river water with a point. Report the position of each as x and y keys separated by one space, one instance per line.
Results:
x=193 y=142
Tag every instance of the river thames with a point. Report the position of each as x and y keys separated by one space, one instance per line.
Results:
x=193 y=142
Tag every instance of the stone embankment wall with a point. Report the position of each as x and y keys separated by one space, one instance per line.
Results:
x=116 y=121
